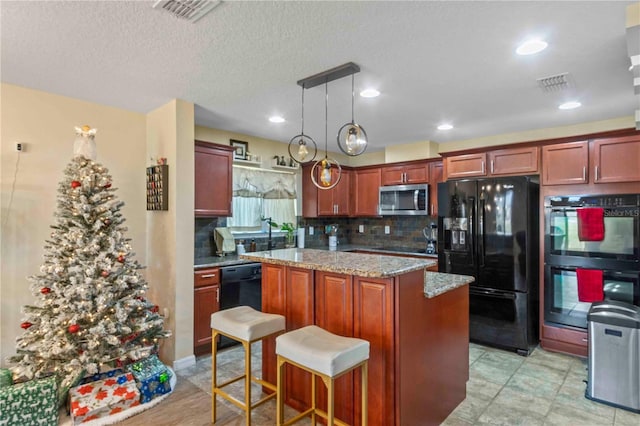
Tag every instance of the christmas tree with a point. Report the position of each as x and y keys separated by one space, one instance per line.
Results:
x=90 y=311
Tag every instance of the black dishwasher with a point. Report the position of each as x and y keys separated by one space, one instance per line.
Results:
x=240 y=285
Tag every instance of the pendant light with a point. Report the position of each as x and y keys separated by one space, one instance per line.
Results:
x=326 y=166
x=300 y=145
x=352 y=139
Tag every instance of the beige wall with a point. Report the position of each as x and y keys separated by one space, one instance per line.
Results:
x=170 y=134
x=45 y=124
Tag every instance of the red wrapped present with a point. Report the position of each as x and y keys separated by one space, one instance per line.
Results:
x=103 y=398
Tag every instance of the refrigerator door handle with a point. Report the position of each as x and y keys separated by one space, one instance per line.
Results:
x=492 y=293
x=481 y=232
x=471 y=233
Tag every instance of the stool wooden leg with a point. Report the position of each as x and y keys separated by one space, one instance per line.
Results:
x=247 y=380
x=280 y=391
x=214 y=383
x=364 y=373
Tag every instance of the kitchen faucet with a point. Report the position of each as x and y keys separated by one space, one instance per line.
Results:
x=270 y=244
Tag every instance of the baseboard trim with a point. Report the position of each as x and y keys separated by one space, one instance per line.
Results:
x=185 y=362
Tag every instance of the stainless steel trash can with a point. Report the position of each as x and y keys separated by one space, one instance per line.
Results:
x=614 y=354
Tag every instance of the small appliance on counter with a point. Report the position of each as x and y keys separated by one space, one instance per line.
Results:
x=332 y=231
x=431 y=234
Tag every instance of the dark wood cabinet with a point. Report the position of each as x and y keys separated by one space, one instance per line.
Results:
x=599 y=161
x=289 y=292
x=616 y=160
x=206 y=300
x=213 y=179
x=404 y=174
x=500 y=162
x=365 y=190
x=408 y=335
x=373 y=321
x=565 y=163
x=335 y=201
x=435 y=177
x=326 y=202
x=334 y=313
x=467 y=165
x=520 y=161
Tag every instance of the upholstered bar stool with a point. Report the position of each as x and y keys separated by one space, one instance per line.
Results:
x=327 y=356
x=245 y=325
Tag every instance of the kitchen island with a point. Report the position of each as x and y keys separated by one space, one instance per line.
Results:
x=417 y=323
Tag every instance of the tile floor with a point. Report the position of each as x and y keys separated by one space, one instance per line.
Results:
x=504 y=388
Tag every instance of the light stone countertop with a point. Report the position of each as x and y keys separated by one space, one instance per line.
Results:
x=437 y=283
x=358 y=264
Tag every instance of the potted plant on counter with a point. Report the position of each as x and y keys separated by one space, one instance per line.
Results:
x=288 y=228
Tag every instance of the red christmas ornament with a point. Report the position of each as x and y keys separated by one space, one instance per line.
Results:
x=45 y=290
x=26 y=325
x=75 y=184
x=74 y=328
x=121 y=258
x=155 y=309
x=104 y=273
x=108 y=185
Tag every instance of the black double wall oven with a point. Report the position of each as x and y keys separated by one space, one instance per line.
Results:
x=614 y=255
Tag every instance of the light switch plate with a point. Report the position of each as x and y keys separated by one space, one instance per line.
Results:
x=361 y=229
x=387 y=229
x=311 y=230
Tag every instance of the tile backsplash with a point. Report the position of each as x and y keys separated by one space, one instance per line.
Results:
x=405 y=231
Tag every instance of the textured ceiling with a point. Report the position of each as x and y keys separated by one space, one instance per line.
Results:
x=432 y=61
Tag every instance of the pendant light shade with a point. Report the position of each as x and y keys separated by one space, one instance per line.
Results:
x=302 y=148
x=326 y=173
x=352 y=139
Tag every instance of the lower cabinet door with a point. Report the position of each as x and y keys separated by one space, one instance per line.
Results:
x=334 y=313
x=206 y=301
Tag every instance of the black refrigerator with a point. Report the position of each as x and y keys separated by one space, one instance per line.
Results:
x=488 y=228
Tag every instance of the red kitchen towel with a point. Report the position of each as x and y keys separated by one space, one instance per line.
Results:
x=590 y=285
x=591 y=224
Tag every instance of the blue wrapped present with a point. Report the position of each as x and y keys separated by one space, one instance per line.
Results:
x=152 y=376
x=101 y=376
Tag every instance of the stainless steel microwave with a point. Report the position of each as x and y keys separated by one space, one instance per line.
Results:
x=404 y=200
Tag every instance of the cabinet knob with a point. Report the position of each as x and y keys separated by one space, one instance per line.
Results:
x=208 y=276
x=491 y=166
x=596 y=173
x=218 y=294
x=584 y=173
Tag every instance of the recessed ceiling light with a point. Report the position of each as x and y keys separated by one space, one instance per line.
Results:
x=276 y=119
x=570 y=105
x=369 y=93
x=531 y=47
x=445 y=126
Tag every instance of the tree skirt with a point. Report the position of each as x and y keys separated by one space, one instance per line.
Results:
x=65 y=419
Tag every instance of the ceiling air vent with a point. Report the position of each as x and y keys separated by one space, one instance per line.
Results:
x=190 y=10
x=555 y=83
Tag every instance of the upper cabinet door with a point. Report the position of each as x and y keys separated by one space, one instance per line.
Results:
x=435 y=177
x=366 y=191
x=616 y=160
x=565 y=163
x=405 y=174
x=519 y=161
x=213 y=179
x=468 y=165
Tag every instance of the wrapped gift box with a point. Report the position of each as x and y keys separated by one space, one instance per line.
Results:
x=153 y=377
x=101 y=376
x=103 y=398
x=30 y=403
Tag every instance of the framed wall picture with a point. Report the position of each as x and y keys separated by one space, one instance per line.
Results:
x=241 y=149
